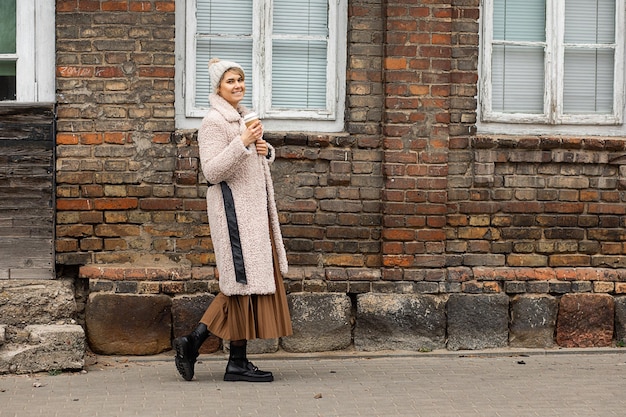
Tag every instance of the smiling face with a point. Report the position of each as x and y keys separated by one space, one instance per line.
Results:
x=232 y=86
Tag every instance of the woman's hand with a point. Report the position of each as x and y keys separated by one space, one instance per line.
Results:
x=253 y=133
x=261 y=147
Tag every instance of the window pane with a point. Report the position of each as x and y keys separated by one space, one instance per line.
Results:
x=299 y=54
x=519 y=20
x=301 y=17
x=233 y=17
x=7 y=26
x=238 y=50
x=590 y=21
x=7 y=81
x=299 y=74
x=588 y=81
x=517 y=79
x=224 y=30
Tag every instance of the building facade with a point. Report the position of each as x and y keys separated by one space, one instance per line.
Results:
x=454 y=181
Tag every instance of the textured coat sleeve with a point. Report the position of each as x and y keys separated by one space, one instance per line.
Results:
x=219 y=155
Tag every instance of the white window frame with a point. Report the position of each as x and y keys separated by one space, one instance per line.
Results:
x=189 y=116
x=553 y=120
x=35 y=51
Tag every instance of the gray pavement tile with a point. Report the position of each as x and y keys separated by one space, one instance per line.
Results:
x=546 y=385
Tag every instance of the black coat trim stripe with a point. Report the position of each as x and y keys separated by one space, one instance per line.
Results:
x=233 y=233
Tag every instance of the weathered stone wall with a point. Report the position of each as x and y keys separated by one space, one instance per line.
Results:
x=123 y=186
x=37 y=327
x=408 y=228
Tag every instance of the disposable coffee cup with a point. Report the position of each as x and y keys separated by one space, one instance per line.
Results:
x=250 y=118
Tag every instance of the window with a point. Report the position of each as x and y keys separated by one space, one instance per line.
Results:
x=293 y=54
x=27 y=50
x=552 y=62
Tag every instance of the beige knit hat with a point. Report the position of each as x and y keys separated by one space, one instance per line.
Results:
x=217 y=68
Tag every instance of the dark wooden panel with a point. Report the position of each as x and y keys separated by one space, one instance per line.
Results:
x=25 y=252
x=25 y=123
x=26 y=191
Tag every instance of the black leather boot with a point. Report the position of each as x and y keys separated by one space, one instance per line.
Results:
x=239 y=368
x=186 y=348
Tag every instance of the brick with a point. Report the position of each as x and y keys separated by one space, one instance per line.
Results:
x=140 y=6
x=88 y=5
x=74 y=204
x=526 y=260
x=603 y=287
x=569 y=260
x=67 y=139
x=115 y=203
x=157 y=72
x=66 y=5
x=74 y=71
x=114 y=5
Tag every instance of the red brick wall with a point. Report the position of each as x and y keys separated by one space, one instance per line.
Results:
x=418 y=76
x=407 y=199
x=124 y=187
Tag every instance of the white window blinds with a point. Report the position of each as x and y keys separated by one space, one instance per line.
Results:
x=224 y=30
x=299 y=54
x=553 y=61
x=589 y=56
x=291 y=41
x=519 y=42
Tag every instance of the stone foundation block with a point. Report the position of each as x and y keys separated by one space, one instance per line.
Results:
x=478 y=321
x=186 y=314
x=120 y=324
x=533 y=320
x=585 y=320
x=321 y=322
x=47 y=301
x=400 y=322
x=620 y=319
x=50 y=347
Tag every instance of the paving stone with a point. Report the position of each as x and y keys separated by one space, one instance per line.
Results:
x=400 y=321
x=122 y=324
x=321 y=322
x=585 y=320
x=49 y=347
x=477 y=321
x=48 y=301
x=533 y=320
x=546 y=383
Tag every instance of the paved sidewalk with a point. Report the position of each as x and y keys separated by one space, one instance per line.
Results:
x=503 y=383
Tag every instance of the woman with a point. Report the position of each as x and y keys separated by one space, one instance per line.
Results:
x=245 y=231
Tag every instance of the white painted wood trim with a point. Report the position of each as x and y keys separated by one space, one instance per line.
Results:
x=25 y=49
x=45 y=46
x=35 y=51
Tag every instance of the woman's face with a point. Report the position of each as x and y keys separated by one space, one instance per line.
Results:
x=232 y=87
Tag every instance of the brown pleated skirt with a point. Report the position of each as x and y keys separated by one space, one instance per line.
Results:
x=239 y=317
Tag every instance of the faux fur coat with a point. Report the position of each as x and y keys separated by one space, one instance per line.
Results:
x=231 y=168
